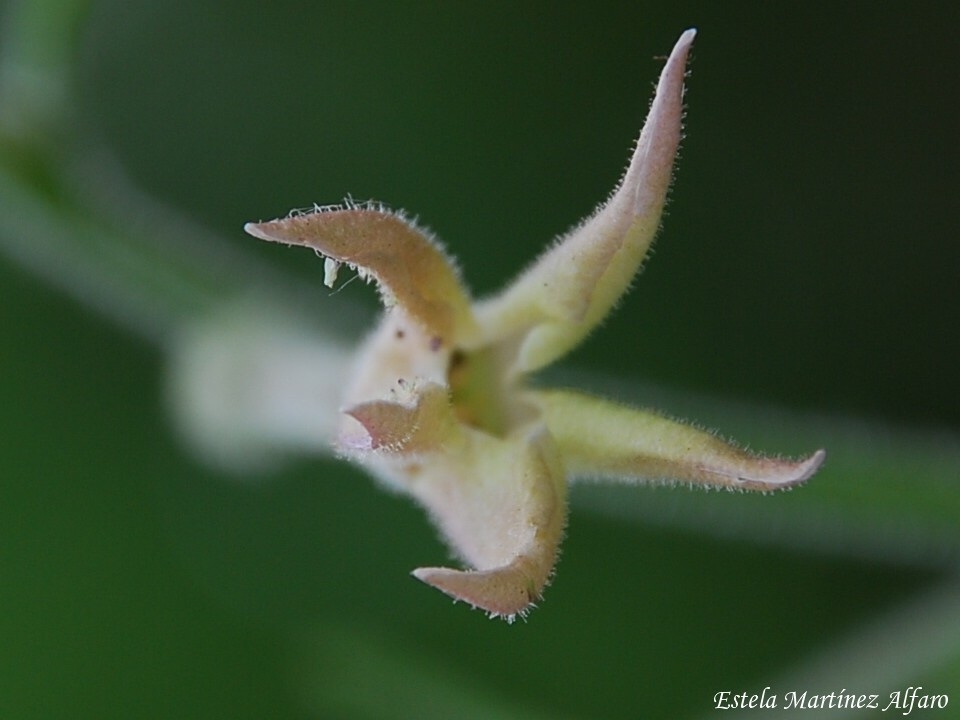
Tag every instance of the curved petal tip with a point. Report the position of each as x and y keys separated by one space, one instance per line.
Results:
x=503 y=592
x=806 y=468
x=771 y=474
x=257 y=230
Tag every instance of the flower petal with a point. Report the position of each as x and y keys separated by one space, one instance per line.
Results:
x=502 y=506
x=504 y=592
x=563 y=296
x=408 y=265
x=602 y=439
x=424 y=425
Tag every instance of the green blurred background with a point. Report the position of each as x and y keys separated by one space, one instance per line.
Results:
x=809 y=261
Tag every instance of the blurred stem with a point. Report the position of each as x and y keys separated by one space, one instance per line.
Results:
x=45 y=225
x=148 y=287
x=38 y=43
x=69 y=216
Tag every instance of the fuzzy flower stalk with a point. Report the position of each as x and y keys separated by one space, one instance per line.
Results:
x=438 y=406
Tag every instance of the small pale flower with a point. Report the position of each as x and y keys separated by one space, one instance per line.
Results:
x=438 y=406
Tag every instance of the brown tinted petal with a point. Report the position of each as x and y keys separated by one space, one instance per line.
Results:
x=502 y=506
x=423 y=425
x=407 y=264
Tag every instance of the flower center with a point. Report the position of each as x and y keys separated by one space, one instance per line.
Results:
x=481 y=396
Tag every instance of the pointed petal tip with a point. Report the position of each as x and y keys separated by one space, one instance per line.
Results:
x=687 y=37
x=360 y=434
x=681 y=49
x=257 y=230
x=420 y=423
x=354 y=440
x=807 y=468
x=497 y=592
x=783 y=474
x=376 y=425
x=271 y=231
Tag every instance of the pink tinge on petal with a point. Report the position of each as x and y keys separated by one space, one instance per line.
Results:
x=571 y=287
x=421 y=426
x=409 y=266
x=648 y=176
x=502 y=592
x=501 y=505
x=776 y=473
